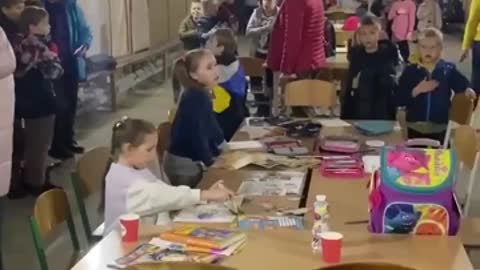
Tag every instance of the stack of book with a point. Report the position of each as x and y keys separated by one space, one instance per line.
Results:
x=186 y=244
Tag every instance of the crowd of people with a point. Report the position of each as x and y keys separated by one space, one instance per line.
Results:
x=294 y=37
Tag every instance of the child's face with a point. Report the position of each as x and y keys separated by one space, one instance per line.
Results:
x=212 y=45
x=196 y=10
x=14 y=12
x=368 y=36
x=269 y=4
x=207 y=72
x=42 y=28
x=140 y=156
x=430 y=50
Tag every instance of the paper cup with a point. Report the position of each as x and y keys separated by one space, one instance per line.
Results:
x=331 y=246
x=129 y=227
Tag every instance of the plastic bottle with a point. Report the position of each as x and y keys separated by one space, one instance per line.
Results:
x=320 y=223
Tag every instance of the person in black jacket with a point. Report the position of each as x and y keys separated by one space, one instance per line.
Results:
x=371 y=76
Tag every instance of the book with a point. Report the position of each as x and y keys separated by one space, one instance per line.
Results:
x=273 y=184
x=203 y=237
x=268 y=223
x=228 y=251
x=148 y=252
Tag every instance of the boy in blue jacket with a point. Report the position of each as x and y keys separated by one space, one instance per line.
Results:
x=425 y=88
x=71 y=33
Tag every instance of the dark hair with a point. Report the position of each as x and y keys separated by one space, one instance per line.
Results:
x=226 y=38
x=186 y=65
x=127 y=130
x=10 y=3
x=32 y=15
x=36 y=3
x=369 y=21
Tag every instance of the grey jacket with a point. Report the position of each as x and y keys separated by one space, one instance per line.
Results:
x=259 y=28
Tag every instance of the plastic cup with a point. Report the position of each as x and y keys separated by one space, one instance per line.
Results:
x=129 y=224
x=331 y=247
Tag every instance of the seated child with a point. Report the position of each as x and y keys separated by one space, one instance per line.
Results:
x=131 y=188
x=371 y=76
x=35 y=101
x=258 y=29
x=196 y=138
x=425 y=88
x=189 y=31
x=230 y=94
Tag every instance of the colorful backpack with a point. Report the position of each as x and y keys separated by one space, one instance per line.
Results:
x=413 y=192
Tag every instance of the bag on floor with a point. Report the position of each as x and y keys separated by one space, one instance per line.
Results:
x=413 y=192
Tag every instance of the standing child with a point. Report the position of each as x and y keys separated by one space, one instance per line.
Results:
x=230 y=95
x=189 y=31
x=371 y=76
x=131 y=188
x=429 y=15
x=196 y=139
x=227 y=14
x=259 y=28
x=35 y=102
x=10 y=11
x=425 y=88
x=403 y=14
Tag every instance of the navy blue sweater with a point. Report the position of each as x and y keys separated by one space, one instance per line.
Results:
x=435 y=105
x=195 y=131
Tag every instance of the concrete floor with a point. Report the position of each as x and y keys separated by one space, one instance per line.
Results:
x=151 y=102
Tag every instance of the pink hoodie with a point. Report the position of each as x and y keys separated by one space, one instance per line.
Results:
x=402 y=13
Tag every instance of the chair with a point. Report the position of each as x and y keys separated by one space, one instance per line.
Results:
x=51 y=209
x=337 y=16
x=367 y=266
x=86 y=180
x=163 y=130
x=310 y=93
x=466 y=146
x=461 y=113
x=255 y=67
x=342 y=37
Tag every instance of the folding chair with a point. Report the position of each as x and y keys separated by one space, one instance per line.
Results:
x=51 y=209
x=86 y=180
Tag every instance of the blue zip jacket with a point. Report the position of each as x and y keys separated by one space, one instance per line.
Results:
x=433 y=106
x=79 y=32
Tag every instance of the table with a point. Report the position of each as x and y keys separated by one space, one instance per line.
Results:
x=290 y=249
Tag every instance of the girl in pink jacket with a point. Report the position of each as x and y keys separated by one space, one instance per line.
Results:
x=403 y=14
x=7 y=67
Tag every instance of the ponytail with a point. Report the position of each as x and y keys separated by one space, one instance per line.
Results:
x=184 y=67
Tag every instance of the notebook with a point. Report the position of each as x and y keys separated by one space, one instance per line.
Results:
x=374 y=128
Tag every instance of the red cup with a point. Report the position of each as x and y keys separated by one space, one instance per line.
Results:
x=331 y=246
x=129 y=224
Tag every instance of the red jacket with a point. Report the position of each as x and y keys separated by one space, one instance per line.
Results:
x=297 y=41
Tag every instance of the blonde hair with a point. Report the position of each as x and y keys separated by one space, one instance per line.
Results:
x=431 y=32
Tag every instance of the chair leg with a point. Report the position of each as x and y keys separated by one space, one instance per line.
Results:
x=38 y=243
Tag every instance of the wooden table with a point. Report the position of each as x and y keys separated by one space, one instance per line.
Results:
x=290 y=249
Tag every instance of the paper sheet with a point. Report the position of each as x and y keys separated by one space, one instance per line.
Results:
x=273 y=184
x=245 y=145
x=371 y=163
x=336 y=122
x=208 y=213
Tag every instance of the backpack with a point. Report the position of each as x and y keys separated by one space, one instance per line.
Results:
x=413 y=192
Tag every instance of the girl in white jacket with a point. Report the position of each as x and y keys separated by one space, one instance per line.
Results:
x=131 y=188
x=429 y=14
x=7 y=67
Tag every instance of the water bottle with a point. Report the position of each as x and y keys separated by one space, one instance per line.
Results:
x=320 y=222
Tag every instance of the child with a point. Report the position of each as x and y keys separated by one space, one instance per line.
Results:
x=10 y=11
x=227 y=14
x=196 y=138
x=425 y=88
x=429 y=15
x=189 y=31
x=371 y=76
x=403 y=14
x=258 y=29
x=130 y=187
x=35 y=100
x=230 y=94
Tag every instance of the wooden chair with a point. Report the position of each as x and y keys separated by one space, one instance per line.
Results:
x=86 y=180
x=367 y=266
x=342 y=38
x=310 y=93
x=255 y=67
x=337 y=16
x=51 y=209
x=163 y=130
x=461 y=113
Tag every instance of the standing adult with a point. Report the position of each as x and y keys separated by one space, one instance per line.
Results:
x=72 y=35
x=471 y=41
x=7 y=103
x=297 y=44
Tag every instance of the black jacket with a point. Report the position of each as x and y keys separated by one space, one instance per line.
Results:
x=371 y=83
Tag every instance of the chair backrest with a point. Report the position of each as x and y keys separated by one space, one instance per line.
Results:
x=342 y=38
x=91 y=169
x=461 y=110
x=466 y=146
x=254 y=67
x=164 y=130
x=313 y=93
x=338 y=15
x=367 y=266
x=51 y=209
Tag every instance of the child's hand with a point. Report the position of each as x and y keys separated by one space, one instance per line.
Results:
x=464 y=55
x=424 y=87
x=470 y=93
x=217 y=192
